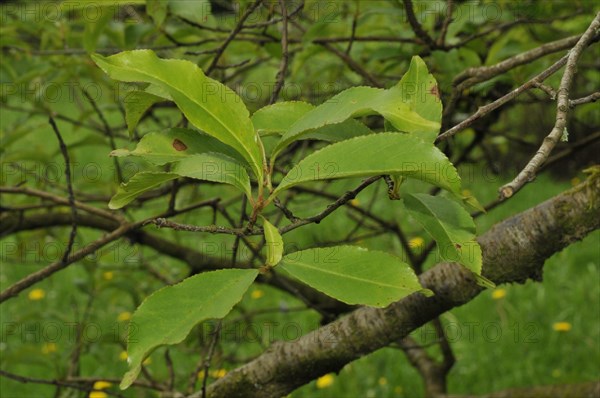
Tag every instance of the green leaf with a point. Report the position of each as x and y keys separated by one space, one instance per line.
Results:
x=214 y=167
x=360 y=101
x=137 y=185
x=419 y=89
x=209 y=105
x=337 y=132
x=94 y=27
x=168 y=315
x=205 y=166
x=274 y=243
x=176 y=144
x=353 y=274
x=376 y=154
x=157 y=9
x=136 y=104
x=198 y=10
x=471 y=201
x=450 y=225
x=279 y=117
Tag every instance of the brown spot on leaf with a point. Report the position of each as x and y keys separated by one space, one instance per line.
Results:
x=435 y=91
x=178 y=145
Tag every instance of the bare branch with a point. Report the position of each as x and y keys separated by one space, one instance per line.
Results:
x=238 y=27
x=65 y=154
x=441 y=41
x=585 y=100
x=482 y=73
x=562 y=111
x=487 y=109
x=416 y=26
x=31 y=279
x=284 y=54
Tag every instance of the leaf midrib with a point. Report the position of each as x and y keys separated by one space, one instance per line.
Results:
x=300 y=264
x=188 y=318
x=441 y=224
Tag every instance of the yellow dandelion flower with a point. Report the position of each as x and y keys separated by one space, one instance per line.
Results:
x=398 y=390
x=201 y=375
x=49 y=348
x=256 y=294
x=382 y=381
x=98 y=394
x=325 y=381
x=108 y=275
x=575 y=181
x=556 y=373
x=36 y=294
x=562 y=326
x=124 y=316
x=123 y=356
x=416 y=242
x=498 y=294
x=217 y=374
x=355 y=202
x=101 y=385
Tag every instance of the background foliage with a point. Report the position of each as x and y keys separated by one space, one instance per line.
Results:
x=46 y=68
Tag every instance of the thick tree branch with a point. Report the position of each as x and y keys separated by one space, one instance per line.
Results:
x=513 y=251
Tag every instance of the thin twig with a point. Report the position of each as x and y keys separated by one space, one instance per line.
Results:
x=354 y=26
x=547 y=89
x=441 y=41
x=352 y=64
x=213 y=229
x=284 y=54
x=416 y=26
x=209 y=355
x=54 y=382
x=107 y=130
x=472 y=76
x=238 y=27
x=585 y=100
x=486 y=109
x=47 y=271
x=61 y=200
x=65 y=154
x=171 y=368
x=342 y=200
x=236 y=243
x=482 y=73
x=562 y=111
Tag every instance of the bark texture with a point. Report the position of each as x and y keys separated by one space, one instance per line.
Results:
x=513 y=251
